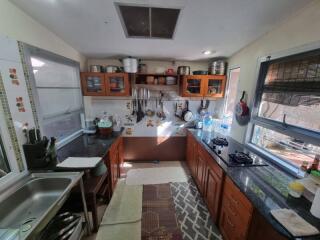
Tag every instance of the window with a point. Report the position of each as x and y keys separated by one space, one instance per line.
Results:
x=57 y=93
x=233 y=81
x=4 y=165
x=287 y=110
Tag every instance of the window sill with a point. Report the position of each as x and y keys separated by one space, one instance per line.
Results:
x=282 y=164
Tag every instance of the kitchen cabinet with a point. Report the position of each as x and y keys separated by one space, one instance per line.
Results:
x=117 y=84
x=207 y=174
x=105 y=84
x=93 y=84
x=192 y=153
x=214 y=178
x=210 y=86
x=236 y=213
x=115 y=162
x=192 y=86
x=201 y=169
x=214 y=86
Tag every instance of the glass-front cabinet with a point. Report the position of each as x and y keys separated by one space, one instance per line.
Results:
x=117 y=84
x=93 y=84
x=105 y=84
x=192 y=86
x=211 y=86
x=215 y=86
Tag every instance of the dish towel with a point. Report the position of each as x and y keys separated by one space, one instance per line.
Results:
x=295 y=224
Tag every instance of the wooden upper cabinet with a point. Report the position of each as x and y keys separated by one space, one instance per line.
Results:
x=117 y=84
x=211 y=86
x=192 y=86
x=93 y=84
x=105 y=84
x=215 y=86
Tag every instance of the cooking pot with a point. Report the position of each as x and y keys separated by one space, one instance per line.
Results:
x=183 y=70
x=218 y=67
x=130 y=64
x=111 y=69
x=96 y=68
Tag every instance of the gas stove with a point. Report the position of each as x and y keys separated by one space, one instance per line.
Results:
x=234 y=154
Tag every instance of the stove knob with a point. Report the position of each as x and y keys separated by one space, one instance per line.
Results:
x=219 y=151
x=214 y=147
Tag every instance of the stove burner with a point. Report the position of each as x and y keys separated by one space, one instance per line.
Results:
x=220 y=141
x=241 y=158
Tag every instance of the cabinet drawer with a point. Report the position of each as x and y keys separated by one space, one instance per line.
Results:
x=236 y=197
x=240 y=216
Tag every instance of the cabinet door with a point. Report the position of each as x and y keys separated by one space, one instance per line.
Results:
x=192 y=86
x=189 y=153
x=117 y=84
x=227 y=225
x=236 y=213
x=214 y=86
x=201 y=170
x=213 y=185
x=121 y=158
x=93 y=84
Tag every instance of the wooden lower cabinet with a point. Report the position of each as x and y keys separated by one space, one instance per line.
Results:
x=212 y=193
x=207 y=175
x=192 y=154
x=201 y=170
x=228 y=206
x=115 y=162
x=236 y=213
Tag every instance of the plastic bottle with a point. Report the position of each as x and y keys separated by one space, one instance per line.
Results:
x=207 y=124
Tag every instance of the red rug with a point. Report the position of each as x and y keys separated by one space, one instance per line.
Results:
x=159 y=221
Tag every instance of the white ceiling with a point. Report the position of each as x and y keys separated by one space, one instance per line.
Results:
x=221 y=25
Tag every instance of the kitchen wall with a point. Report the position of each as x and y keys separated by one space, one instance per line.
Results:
x=18 y=25
x=298 y=30
x=149 y=127
x=15 y=26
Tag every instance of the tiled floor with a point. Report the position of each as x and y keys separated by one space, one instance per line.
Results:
x=192 y=213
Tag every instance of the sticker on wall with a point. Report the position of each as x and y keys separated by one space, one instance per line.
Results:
x=129 y=131
x=20 y=104
x=13 y=76
x=150 y=123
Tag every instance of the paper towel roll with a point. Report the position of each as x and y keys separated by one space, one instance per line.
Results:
x=315 y=208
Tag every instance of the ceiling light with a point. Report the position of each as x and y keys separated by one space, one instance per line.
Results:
x=207 y=52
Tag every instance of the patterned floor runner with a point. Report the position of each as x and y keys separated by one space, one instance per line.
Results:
x=158 y=214
x=192 y=213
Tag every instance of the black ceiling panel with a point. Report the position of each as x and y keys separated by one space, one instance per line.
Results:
x=147 y=22
x=163 y=22
x=136 y=20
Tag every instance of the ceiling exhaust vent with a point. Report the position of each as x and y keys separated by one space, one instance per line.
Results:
x=148 y=22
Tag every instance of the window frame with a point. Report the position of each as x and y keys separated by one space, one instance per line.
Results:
x=15 y=174
x=308 y=135
x=32 y=51
x=228 y=89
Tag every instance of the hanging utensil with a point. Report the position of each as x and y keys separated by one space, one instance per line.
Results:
x=187 y=115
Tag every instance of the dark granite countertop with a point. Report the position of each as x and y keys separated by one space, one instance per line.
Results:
x=265 y=187
x=87 y=146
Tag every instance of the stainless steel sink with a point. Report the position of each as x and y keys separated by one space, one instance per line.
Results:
x=34 y=200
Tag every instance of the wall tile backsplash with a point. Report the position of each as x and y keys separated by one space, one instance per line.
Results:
x=149 y=126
